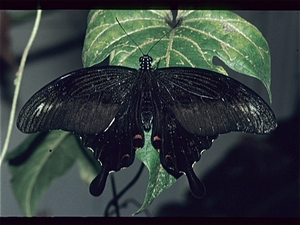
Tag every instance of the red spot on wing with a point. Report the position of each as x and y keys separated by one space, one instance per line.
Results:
x=138 y=141
x=138 y=137
x=156 y=138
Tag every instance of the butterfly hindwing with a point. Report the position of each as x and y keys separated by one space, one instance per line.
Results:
x=207 y=103
x=115 y=146
x=178 y=149
x=83 y=101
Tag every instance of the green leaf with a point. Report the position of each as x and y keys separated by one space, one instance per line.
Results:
x=37 y=162
x=159 y=178
x=201 y=36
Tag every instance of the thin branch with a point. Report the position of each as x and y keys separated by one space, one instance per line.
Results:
x=132 y=182
x=115 y=203
x=18 y=84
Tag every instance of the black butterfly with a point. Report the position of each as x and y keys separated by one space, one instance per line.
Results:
x=111 y=107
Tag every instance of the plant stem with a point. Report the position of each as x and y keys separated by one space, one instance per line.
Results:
x=132 y=182
x=18 y=84
x=115 y=203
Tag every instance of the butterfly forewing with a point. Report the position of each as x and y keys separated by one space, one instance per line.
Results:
x=207 y=103
x=84 y=101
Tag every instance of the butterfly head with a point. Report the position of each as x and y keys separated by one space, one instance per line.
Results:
x=145 y=62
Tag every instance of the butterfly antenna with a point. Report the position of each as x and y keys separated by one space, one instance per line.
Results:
x=129 y=36
x=154 y=44
x=164 y=36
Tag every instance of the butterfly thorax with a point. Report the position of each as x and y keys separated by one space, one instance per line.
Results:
x=145 y=62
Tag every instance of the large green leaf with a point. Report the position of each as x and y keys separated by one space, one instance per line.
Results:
x=37 y=162
x=201 y=36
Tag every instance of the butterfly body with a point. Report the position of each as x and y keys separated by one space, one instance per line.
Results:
x=111 y=107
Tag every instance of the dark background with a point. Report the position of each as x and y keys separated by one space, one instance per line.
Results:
x=245 y=175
